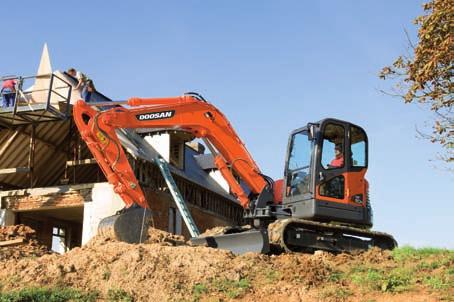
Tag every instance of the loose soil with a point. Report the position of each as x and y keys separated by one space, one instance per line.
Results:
x=165 y=268
x=30 y=247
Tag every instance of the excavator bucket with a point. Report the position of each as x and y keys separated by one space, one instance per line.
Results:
x=237 y=242
x=130 y=225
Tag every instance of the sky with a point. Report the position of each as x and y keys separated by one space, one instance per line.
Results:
x=271 y=67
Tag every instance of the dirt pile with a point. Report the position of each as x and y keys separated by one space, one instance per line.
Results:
x=165 y=268
x=20 y=241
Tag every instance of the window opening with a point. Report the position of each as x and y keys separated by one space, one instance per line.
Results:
x=59 y=240
x=333 y=188
x=358 y=147
x=299 y=162
x=333 y=147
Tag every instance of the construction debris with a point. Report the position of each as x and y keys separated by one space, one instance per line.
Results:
x=20 y=241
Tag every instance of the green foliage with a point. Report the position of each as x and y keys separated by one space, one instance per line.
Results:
x=407 y=252
x=271 y=276
x=396 y=280
x=336 y=276
x=437 y=282
x=233 y=289
x=338 y=293
x=199 y=290
x=119 y=295
x=48 y=295
x=426 y=75
x=106 y=275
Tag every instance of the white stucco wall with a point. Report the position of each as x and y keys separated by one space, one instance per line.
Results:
x=161 y=143
x=7 y=217
x=105 y=202
x=217 y=176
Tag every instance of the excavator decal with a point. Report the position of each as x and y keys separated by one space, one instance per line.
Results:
x=155 y=115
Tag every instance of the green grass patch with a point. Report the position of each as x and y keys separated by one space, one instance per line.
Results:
x=338 y=293
x=198 y=290
x=106 y=275
x=336 y=276
x=408 y=252
x=44 y=294
x=438 y=282
x=396 y=280
x=272 y=276
x=118 y=295
x=231 y=288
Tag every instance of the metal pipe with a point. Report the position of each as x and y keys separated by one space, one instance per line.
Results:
x=103 y=104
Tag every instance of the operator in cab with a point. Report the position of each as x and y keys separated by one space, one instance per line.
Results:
x=338 y=161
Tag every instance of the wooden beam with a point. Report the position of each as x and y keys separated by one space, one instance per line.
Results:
x=6 y=144
x=14 y=170
x=11 y=242
x=46 y=143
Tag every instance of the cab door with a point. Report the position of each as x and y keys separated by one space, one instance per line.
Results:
x=342 y=163
x=299 y=169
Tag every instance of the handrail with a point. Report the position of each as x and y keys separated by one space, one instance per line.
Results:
x=47 y=96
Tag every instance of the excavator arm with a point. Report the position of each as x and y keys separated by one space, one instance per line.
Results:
x=189 y=113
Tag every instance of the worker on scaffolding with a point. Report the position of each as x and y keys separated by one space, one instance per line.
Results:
x=85 y=84
x=9 y=92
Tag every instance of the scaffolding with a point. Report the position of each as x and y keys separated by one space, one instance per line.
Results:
x=46 y=100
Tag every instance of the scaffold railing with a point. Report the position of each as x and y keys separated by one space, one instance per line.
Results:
x=39 y=98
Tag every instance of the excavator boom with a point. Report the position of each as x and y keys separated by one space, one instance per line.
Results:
x=185 y=113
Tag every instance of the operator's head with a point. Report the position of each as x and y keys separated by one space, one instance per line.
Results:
x=72 y=72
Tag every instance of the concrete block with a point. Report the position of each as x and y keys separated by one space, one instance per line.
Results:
x=7 y=217
x=105 y=202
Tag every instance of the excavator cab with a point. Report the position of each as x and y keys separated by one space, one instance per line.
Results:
x=324 y=174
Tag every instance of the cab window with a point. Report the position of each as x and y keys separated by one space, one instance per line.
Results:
x=299 y=162
x=333 y=147
x=333 y=188
x=358 y=147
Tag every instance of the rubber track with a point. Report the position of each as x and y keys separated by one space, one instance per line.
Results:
x=276 y=231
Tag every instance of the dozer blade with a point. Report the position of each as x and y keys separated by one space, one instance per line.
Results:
x=238 y=243
x=131 y=225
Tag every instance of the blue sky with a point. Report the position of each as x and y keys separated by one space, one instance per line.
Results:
x=270 y=66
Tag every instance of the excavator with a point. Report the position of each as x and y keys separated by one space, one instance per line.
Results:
x=321 y=203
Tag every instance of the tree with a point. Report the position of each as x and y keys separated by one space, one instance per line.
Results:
x=425 y=75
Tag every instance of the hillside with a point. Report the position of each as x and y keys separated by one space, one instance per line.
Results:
x=166 y=269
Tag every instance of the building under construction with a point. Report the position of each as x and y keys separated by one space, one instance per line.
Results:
x=49 y=180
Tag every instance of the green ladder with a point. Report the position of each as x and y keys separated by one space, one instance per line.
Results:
x=177 y=197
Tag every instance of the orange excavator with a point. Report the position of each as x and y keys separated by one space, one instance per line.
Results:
x=321 y=203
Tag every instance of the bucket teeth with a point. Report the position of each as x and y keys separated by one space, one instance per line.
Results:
x=130 y=226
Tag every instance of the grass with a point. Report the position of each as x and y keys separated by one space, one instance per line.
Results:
x=337 y=293
x=43 y=294
x=106 y=275
x=198 y=291
x=272 y=276
x=336 y=276
x=408 y=253
x=231 y=288
x=395 y=280
x=118 y=295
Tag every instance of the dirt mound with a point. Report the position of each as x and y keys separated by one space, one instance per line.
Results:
x=158 y=236
x=19 y=241
x=165 y=268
